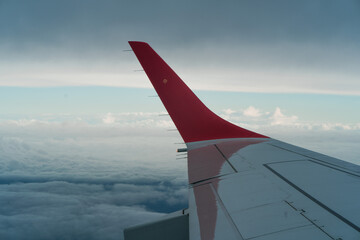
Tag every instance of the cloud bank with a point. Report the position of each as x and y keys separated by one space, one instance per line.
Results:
x=81 y=180
x=91 y=176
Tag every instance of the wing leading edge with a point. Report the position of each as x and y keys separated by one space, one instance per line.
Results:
x=244 y=185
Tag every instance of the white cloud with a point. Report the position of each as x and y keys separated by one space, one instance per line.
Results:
x=109 y=118
x=278 y=118
x=228 y=111
x=257 y=120
x=252 y=112
x=332 y=126
x=227 y=114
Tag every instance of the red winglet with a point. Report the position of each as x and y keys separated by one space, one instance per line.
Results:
x=192 y=118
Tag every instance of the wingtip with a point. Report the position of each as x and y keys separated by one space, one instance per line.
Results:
x=132 y=43
x=192 y=118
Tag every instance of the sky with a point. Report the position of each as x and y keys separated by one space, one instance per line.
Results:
x=85 y=149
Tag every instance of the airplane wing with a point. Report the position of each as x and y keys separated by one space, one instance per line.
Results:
x=244 y=185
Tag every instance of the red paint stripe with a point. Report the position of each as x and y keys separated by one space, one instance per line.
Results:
x=206 y=209
x=204 y=163
x=206 y=202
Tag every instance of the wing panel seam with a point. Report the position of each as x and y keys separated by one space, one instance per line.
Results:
x=226 y=159
x=227 y=214
x=302 y=214
x=204 y=181
x=284 y=230
x=348 y=222
x=315 y=159
x=325 y=165
x=301 y=211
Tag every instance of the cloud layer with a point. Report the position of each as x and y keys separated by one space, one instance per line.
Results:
x=75 y=180
x=89 y=177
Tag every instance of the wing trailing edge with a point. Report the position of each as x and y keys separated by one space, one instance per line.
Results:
x=192 y=118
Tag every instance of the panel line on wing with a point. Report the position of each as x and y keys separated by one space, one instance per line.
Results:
x=342 y=218
x=312 y=222
x=226 y=159
x=204 y=181
x=314 y=160
x=327 y=234
x=284 y=230
x=317 y=160
x=206 y=163
x=231 y=221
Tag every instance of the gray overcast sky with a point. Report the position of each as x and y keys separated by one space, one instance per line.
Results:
x=90 y=22
x=300 y=46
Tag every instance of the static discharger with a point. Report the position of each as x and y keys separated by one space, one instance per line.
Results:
x=181 y=154
x=182 y=150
